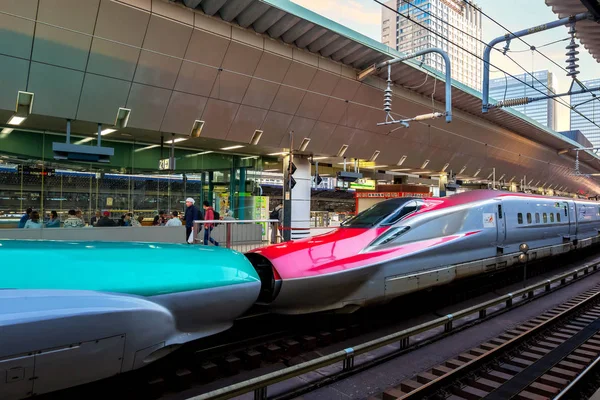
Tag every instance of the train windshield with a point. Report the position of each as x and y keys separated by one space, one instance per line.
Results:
x=380 y=212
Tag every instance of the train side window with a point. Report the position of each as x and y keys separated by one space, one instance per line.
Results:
x=567 y=214
x=551 y=217
x=545 y=216
x=528 y=218
x=557 y=217
x=520 y=218
x=537 y=218
x=500 y=211
x=598 y=211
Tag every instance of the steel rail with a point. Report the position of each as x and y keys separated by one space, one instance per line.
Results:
x=259 y=385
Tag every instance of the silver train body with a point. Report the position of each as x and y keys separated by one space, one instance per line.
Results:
x=435 y=242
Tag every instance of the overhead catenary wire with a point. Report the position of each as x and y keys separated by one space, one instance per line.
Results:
x=306 y=90
x=479 y=57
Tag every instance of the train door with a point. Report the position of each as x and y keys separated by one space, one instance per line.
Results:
x=572 y=211
x=567 y=212
x=501 y=225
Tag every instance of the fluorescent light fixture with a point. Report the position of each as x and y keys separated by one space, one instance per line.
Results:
x=424 y=164
x=304 y=144
x=152 y=146
x=176 y=140
x=445 y=167
x=271 y=170
x=248 y=158
x=256 y=137
x=490 y=175
x=537 y=183
x=402 y=159
x=279 y=153
x=342 y=150
x=232 y=147
x=6 y=131
x=197 y=128
x=122 y=117
x=107 y=131
x=375 y=155
x=14 y=120
x=502 y=177
x=477 y=172
x=319 y=158
x=89 y=139
x=199 y=154
x=400 y=169
x=462 y=169
x=529 y=184
x=512 y=179
x=376 y=166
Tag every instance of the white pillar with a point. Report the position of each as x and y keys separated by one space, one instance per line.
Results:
x=300 y=197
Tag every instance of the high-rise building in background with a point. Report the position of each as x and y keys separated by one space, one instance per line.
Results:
x=589 y=107
x=543 y=111
x=446 y=19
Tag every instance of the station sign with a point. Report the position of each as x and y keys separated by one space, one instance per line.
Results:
x=389 y=195
x=166 y=164
x=363 y=184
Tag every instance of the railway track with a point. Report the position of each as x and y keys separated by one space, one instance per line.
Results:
x=536 y=360
x=260 y=340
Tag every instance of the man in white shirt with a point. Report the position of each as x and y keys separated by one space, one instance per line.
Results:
x=175 y=221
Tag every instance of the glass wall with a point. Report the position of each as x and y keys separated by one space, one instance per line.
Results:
x=130 y=183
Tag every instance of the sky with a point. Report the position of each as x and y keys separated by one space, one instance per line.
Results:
x=364 y=16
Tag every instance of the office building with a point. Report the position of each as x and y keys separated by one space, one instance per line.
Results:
x=524 y=85
x=445 y=19
x=590 y=107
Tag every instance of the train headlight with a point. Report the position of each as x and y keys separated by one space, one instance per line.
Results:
x=523 y=258
x=524 y=248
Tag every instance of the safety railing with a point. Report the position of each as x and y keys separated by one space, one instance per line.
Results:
x=347 y=356
x=240 y=235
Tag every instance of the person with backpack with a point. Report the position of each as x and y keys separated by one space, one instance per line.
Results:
x=209 y=214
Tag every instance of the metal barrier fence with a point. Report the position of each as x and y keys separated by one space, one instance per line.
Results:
x=347 y=356
x=239 y=235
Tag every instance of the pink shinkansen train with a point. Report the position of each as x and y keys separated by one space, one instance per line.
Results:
x=405 y=245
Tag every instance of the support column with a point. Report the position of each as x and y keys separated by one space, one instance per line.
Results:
x=300 y=203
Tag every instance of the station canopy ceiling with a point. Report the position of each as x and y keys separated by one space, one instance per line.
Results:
x=247 y=65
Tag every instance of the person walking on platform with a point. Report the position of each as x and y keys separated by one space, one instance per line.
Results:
x=209 y=214
x=191 y=214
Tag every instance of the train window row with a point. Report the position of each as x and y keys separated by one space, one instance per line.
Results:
x=545 y=217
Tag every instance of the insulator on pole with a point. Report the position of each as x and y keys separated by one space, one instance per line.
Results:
x=571 y=54
x=512 y=102
x=387 y=94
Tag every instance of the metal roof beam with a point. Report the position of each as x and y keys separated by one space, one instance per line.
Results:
x=210 y=7
x=233 y=9
x=335 y=46
x=283 y=25
x=192 y=3
x=346 y=51
x=309 y=37
x=252 y=13
x=323 y=41
x=268 y=19
x=297 y=31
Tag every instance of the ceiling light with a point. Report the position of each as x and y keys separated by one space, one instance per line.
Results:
x=502 y=177
x=400 y=169
x=200 y=154
x=490 y=175
x=14 y=120
x=376 y=166
x=462 y=169
x=278 y=154
x=89 y=139
x=249 y=157
x=176 y=140
x=375 y=155
x=122 y=118
x=402 y=159
x=232 y=147
x=197 y=128
x=512 y=179
x=304 y=144
x=342 y=150
x=6 y=131
x=256 y=137
x=444 y=168
x=146 y=148
x=537 y=183
x=424 y=164
x=477 y=172
x=319 y=158
x=107 y=131
x=271 y=170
